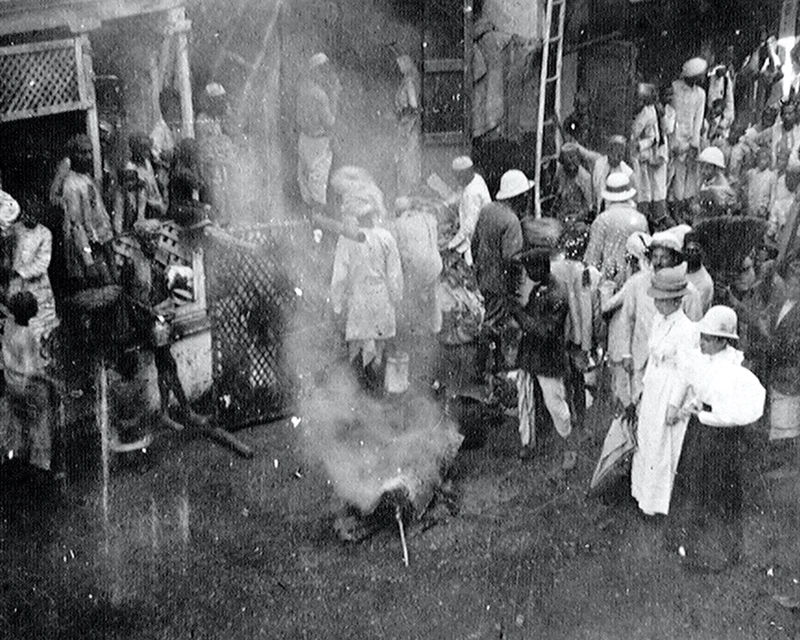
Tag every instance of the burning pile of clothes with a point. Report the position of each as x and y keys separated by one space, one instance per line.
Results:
x=393 y=451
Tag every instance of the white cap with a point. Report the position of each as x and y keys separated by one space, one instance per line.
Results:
x=512 y=184
x=462 y=163
x=317 y=59
x=694 y=67
x=720 y=321
x=215 y=89
x=712 y=155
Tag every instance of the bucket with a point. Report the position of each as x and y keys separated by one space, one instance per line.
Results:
x=396 y=378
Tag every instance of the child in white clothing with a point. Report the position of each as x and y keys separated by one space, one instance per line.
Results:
x=28 y=390
x=759 y=185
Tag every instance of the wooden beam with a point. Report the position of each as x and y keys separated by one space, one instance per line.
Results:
x=178 y=18
x=86 y=69
x=77 y=15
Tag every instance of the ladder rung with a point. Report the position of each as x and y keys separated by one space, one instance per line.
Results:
x=553 y=39
x=551 y=78
x=546 y=159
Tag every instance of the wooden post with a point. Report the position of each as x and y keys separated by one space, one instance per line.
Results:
x=101 y=418
x=466 y=92
x=92 y=124
x=180 y=26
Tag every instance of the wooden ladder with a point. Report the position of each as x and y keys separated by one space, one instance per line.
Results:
x=240 y=24
x=549 y=97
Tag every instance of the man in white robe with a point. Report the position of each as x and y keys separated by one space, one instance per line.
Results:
x=689 y=102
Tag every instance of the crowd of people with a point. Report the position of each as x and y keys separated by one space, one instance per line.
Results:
x=664 y=274
x=114 y=287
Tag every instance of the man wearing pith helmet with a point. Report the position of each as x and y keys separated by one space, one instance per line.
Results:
x=715 y=195
x=498 y=237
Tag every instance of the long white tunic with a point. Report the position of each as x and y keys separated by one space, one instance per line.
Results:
x=636 y=324
x=651 y=155
x=368 y=282
x=31 y=261
x=673 y=343
x=690 y=107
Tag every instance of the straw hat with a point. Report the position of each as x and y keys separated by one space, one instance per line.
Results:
x=669 y=283
x=720 y=321
x=618 y=188
x=512 y=184
x=9 y=210
x=712 y=155
x=694 y=67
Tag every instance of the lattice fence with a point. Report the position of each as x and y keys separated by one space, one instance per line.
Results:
x=251 y=299
x=41 y=79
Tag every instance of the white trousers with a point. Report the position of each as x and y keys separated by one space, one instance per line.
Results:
x=685 y=178
x=555 y=399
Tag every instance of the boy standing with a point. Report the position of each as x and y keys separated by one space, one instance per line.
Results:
x=26 y=383
x=542 y=356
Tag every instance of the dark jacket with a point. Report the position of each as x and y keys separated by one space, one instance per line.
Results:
x=498 y=236
x=784 y=355
x=543 y=350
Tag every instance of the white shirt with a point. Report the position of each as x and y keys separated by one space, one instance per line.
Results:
x=690 y=107
x=473 y=198
x=735 y=396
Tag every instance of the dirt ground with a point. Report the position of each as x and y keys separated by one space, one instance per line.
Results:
x=199 y=543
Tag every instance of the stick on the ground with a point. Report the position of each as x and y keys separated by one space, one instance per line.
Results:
x=398 y=514
x=229 y=440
